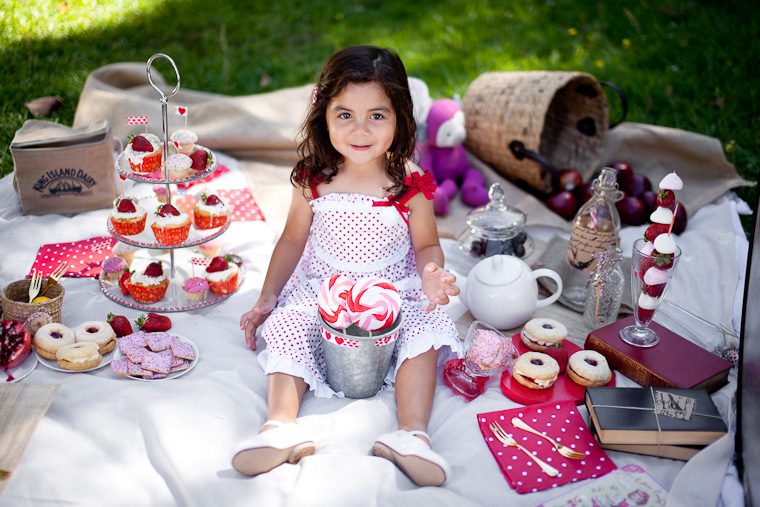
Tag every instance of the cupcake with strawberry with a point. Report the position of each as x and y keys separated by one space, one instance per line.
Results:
x=144 y=153
x=210 y=211
x=127 y=216
x=196 y=288
x=171 y=226
x=201 y=160
x=222 y=275
x=149 y=286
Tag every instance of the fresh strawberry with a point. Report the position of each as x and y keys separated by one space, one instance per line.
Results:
x=120 y=324
x=559 y=353
x=655 y=230
x=126 y=275
x=212 y=200
x=154 y=269
x=167 y=210
x=154 y=323
x=200 y=160
x=666 y=199
x=218 y=263
x=125 y=206
x=139 y=143
x=653 y=290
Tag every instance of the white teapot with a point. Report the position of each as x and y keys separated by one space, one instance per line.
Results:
x=502 y=291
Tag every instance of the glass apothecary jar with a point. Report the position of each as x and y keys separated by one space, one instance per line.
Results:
x=495 y=229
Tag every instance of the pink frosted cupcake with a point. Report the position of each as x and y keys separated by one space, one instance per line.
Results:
x=113 y=267
x=195 y=288
x=210 y=249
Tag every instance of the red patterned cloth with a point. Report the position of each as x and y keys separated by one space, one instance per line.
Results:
x=244 y=206
x=561 y=421
x=84 y=257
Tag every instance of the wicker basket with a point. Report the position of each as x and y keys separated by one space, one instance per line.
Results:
x=14 y=295
x=525 y=124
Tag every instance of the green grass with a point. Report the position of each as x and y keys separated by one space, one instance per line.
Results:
x=683 y=64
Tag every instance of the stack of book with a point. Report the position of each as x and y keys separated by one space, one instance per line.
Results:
x=664 y=422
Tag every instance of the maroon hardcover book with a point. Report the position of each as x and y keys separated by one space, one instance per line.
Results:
x=674 y=362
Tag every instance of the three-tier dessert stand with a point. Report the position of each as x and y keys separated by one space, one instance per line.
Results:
x=174 y=300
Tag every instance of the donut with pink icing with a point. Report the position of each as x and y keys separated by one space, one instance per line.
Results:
x=373 y=303
x=332 y=301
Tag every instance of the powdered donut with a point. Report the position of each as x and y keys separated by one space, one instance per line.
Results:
x=98 y=332
x=79 y=356
x=536 y=370
x=588 y=368
x=537 y=334
x=332 y=301
x=51 y=337
x=373 y=303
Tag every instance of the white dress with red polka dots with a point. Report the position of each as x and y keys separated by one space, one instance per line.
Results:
x=358 y=236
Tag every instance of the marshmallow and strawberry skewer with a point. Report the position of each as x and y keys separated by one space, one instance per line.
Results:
x=659 y=249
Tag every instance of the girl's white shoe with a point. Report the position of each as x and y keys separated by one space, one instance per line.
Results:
x=413 y=456
x=287 y=442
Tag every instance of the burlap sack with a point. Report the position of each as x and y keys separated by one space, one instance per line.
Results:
x=58 y=169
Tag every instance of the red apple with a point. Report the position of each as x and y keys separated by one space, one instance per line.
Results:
x=584 y=191
x=679 y=222
x=569 y=179
x=624 y=171
x=631 y=210
x=564 y=203
x=636 y=185
x=650 y=201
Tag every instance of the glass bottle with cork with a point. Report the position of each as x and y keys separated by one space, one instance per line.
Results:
x=595 y=227
x=604 y=289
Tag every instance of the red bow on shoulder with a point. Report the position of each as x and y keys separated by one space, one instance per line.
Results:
x=393 y=202
x=424 y=183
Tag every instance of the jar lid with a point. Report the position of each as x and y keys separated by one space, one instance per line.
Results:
x=497 y=219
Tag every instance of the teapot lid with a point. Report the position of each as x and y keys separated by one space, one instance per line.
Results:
x=498 y=270
x=496 y=219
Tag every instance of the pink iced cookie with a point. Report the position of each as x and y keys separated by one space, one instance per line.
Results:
x=120 y=367
x=158 y=341
x=487 y=349
x=136 y=370
x=373 y=303
x=136 y=354
x=184 y=365
x=156 y=362
x=332 y=301
x=183 y=350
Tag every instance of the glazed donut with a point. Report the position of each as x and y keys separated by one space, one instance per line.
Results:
x=51 y=337
x=588 y=368
x=79 y=356
x=99 y=332
x=536 y=370
x=537 y=334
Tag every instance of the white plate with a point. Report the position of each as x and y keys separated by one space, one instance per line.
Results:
x=53 y=364
x=169 y=376
x=26 y=367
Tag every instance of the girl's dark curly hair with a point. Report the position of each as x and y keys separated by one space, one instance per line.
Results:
x=356 y=64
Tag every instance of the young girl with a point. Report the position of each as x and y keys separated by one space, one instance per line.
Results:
x=360 y=208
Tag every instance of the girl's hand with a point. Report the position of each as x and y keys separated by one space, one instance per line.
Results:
x=438 y=285
x=250 y=321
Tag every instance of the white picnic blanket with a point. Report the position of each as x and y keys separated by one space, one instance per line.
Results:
x=110 y=440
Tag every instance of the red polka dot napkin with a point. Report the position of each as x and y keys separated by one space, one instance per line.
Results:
x=244 y=206
x=559 y=420
x=220 y=170
x=83 y=257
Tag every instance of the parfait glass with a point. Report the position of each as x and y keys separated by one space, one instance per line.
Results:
x=488 y=352
x=650 y=277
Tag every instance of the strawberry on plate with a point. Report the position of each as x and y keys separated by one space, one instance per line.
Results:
x=120 y=324
x=154 y=323
x=126 y=275
x=201 y=159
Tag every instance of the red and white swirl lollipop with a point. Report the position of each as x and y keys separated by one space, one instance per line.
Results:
x=332 y=301
x=373 y=303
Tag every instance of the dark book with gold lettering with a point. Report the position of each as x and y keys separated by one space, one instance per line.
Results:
x=653 y=416
x=674 y=362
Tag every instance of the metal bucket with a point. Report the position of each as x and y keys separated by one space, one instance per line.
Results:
x=358 y=360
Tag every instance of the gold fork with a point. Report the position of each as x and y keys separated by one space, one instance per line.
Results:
x=562 y=449
x=55 y=276
x=505 y=439
x=35 y=284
